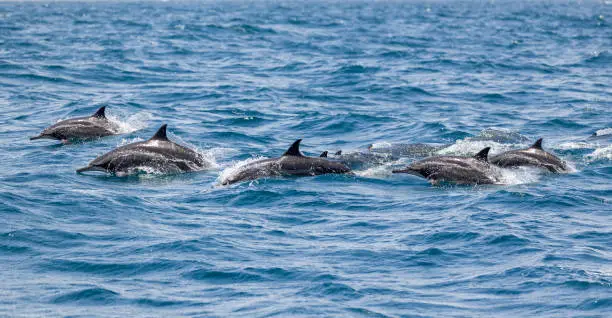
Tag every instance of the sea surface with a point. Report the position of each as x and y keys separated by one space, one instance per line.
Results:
x=243 y=80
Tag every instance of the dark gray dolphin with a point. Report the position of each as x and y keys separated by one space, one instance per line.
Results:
x=533 y=156
x=460 y=170
x=291 y=163
x=158 y=153
x=80 y=128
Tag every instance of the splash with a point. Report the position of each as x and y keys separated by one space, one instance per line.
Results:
x=468 y=147
x=520 y=175
x=575 y=145
x=127 y=141
x=603 y=132
x=235 y=168
x=500 y=135
x=141 y=171
x=132 y=123
x=380 y=145
x=382 y=171
x=604 y=153
x=208 y=155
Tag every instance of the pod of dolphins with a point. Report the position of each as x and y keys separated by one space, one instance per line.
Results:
x=166 y=156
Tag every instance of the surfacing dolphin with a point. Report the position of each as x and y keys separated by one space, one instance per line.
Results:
x=533 y=156
x=80 y=128
x=157 y=153
x=455 y=169
x=291 y=163
x=358 y=159
x=407 y=150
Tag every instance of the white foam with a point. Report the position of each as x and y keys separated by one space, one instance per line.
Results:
x=469 y=147
x=600 y=154
x=126 y=141
x=130 y=124
x=604 y=132
x=209 y=155
x=235 y=168
x=575 y=145
x=148 y=172
x=382 y=171
x=520 y=175
x=215 y=153
x=382 y=145
x=571 y=167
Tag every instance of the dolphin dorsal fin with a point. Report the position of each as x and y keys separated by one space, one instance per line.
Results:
x=294 y=150
x=161 y=133
x=323 y=154
x=483 y=154
x=537 y=144
x=100 y=112
x=339 y=152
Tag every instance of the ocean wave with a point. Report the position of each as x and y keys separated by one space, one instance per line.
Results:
x=240 y=80
x=599 y=58
x=604 y=153
x=88 y=296
x=110 y=269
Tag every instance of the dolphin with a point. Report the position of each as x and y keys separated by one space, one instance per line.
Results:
x=533 y=156
x=460 y=170
x=407 y=150
x=358 y=159
x=499 y=135
x=291 y=163
x=80 y=128
x=157 y=153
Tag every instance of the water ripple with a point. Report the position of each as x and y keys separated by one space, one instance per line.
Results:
x=243 y=80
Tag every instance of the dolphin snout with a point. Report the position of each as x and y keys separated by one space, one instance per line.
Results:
x=90 y=168
x=84 y=169
x=41 y=136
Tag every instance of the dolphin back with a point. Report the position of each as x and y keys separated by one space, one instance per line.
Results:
x=534 y=156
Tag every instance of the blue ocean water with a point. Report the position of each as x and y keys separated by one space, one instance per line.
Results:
x=239 y=80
